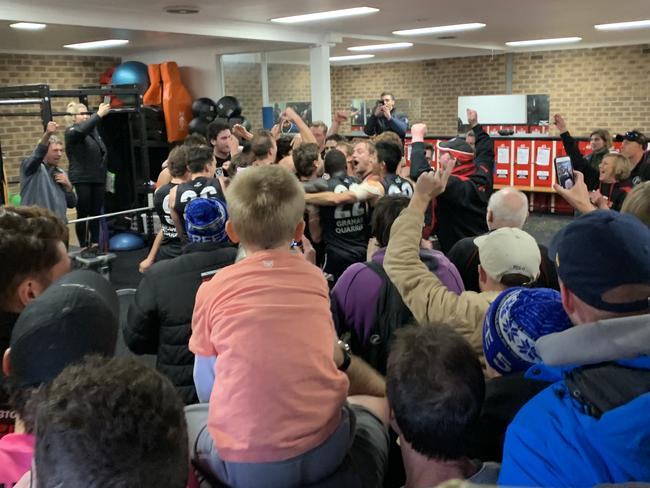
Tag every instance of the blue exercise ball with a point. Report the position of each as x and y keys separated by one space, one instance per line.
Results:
x=125 y=242
x=131 y=73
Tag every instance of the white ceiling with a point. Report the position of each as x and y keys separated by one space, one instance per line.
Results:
x=236 y=26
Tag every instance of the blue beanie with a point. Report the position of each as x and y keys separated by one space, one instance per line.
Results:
x=205 y=220
x=514 y=321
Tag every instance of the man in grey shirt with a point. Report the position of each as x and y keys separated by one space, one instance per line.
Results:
x=42 y=181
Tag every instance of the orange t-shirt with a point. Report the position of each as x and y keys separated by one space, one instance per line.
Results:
x=277 y=391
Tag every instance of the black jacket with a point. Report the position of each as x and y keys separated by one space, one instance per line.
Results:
x=464 y=255
x=462 y=207
x=398 y=124
x=86 y=152
x=588 y=165
x=160 y=318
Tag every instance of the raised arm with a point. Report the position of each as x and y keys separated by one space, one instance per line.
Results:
x=305 y=132
x=484 y=152
x=31 y=163
x=78 y=131
x=419 y=163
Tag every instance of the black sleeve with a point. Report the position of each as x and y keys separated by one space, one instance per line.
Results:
x=419 y=162
x=484 y=148
x=78 y=131
x=578 y=161
x=142 y=329
x=371 y=126
x=70 y=199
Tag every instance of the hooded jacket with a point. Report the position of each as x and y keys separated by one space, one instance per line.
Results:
x=591 y=425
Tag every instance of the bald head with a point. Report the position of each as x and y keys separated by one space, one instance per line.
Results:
x=507 y=207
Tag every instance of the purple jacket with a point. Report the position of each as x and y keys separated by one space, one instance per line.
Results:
x=357 y=290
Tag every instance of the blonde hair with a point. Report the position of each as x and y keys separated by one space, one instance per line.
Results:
x=637 y=202
x=622 y=166
x=74 y=108
x=369 y=144
x=265 y=204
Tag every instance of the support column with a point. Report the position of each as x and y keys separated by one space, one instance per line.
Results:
x=321 y=94
x=264 y=77
x=220 y=89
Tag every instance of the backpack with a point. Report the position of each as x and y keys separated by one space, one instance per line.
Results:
x=391 y=314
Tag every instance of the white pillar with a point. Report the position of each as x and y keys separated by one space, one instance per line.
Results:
x=220 y=89
x=264 y=77
x=321 y=95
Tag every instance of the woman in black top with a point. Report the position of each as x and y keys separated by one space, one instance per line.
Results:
x=87 y=172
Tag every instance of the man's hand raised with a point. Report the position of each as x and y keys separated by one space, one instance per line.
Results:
x=418 y=131
x=472 y=117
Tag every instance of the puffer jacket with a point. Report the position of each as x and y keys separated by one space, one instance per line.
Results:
x=160 y=318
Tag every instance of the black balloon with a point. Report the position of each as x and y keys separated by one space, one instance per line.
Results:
x=199 y=125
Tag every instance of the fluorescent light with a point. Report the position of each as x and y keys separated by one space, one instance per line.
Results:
x=28 y=26
x=637 y=24
x=98 y=44
x=441 y=29
x=381 y=47
x=542 y=42
x=331 y=14
x=352 y=57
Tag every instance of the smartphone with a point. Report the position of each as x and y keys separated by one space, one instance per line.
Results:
x=107 y=99
x=564 y=172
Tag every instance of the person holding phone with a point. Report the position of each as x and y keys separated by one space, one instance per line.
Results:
x=385 y=118
x=87 y=156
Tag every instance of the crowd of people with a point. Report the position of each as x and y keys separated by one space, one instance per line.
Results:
x=324 y=315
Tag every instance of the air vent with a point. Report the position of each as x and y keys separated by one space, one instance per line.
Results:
x=536 y=56
x=446 y=37
x=646 y=50
x=181 y=10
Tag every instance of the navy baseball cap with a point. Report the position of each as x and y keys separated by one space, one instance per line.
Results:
x=75 y=316
x=601 y=251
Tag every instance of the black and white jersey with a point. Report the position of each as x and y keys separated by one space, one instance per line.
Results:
x=162 y=208
x=201 y=187
x=344 y=227
x=396 y=185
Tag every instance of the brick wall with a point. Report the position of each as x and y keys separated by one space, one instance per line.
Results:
x=605 y=87
x=18 y=135
x=287 y=82
x=437 y=82
x=243 y=81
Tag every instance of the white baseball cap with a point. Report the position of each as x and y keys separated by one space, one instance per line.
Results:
x=508 y=250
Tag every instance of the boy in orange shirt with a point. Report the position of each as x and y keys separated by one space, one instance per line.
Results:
x=277 y=413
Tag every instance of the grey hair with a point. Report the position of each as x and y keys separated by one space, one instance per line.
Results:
x=509 y=208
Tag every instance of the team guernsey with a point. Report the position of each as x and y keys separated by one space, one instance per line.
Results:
x=395 y=185
x=161 y=205
x=201 y=187
x=344 y=229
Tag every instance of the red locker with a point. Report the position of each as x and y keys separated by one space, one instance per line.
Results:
x=543 y=164
x=521 y=129
x=521 y=168
x=503 y=162
x=585 y=147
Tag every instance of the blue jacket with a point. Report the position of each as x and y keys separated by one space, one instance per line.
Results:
x=552 y=442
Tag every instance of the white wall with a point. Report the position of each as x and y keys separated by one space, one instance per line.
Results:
x=199 y=67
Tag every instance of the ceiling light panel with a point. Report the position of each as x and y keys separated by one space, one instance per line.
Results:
x=330 y=14
x=28 y=26
x=544 y=42
x=440 y=29
x=382 y=47
x=352 y=57
x=98 y=44
x=636 y=24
